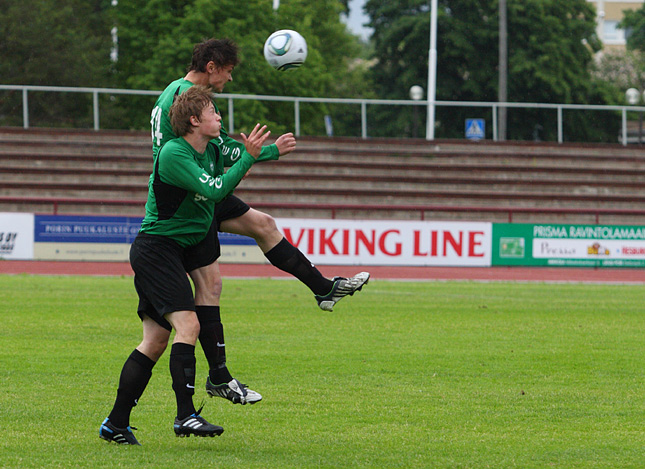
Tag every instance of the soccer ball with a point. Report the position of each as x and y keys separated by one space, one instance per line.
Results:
x=285 y=50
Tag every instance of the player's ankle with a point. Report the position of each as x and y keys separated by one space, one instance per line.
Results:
x=219 y=375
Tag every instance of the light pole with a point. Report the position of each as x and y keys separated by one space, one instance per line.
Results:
x=432 y=70
x=503 y=70
x=633 y=97
x=416 y=94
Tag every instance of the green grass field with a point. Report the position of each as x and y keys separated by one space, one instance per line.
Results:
x=437 y=374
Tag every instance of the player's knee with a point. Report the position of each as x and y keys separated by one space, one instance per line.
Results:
x=191 y=329
x=158 y=349
x=265 y=226
x=186 y=325
x=154 y=347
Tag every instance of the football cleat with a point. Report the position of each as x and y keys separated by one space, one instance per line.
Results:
x=342 y=287
x=196 y=425
x=122 y=436
x=234 y=391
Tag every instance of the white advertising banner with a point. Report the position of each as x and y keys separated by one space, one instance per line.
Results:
x=588 y=249
x=16 y=236
x=392 y=242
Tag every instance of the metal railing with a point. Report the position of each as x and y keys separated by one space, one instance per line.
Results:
x=363 y=103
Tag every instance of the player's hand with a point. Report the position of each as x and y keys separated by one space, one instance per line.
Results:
x=253 y=143
x=286 y=143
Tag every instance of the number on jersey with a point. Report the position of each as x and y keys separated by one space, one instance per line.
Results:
x=155 y=124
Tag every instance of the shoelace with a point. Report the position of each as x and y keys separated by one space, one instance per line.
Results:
x=348 y=288
x=243 y=386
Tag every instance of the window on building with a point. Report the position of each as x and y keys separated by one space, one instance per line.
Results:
x=612 y=34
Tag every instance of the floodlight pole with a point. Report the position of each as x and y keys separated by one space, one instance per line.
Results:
x=432 y=71
x=502 y=92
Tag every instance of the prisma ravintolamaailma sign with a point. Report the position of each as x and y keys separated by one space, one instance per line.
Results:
x=568 y=245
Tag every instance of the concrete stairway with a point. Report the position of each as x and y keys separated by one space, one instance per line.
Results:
x=106 y=172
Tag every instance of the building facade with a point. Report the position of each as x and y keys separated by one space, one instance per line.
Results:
x=610 y=14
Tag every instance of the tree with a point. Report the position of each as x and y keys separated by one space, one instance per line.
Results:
x=55 y=43
x=634 y=23
x=551 y=45
x=152 y=53
x=623 y=68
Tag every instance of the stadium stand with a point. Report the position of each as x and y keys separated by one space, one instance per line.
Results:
x=106 y=172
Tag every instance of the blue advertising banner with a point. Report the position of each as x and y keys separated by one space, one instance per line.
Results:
x=77 y=229
x=82 y=229
x=230 y=239
x=108 y=238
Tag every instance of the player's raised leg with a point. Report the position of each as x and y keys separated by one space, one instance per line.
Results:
x=288 y=258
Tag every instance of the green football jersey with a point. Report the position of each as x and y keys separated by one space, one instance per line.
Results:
x=185 y=186
x=162 y=131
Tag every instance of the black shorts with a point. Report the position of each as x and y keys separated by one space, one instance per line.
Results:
x=203 y=253
x=208 y=250
x=160 y=278
x=230 y=207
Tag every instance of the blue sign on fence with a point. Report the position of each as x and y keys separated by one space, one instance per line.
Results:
x=475 y=129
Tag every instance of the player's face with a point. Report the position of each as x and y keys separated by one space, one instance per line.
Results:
x=211 y=122
x=220 y=76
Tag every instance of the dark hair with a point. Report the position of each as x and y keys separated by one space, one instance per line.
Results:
x=222 y=52
x=188 y=104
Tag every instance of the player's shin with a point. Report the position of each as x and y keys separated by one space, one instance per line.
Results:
x=182 y=371
x=211 y=338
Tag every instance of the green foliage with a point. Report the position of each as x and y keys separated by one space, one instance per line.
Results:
x=625 y=69
x=551 y=43
x=431 y=374
x=53 y=43
x=550 y=51
x=153 y=53
x=68 y=43
x=634 y=23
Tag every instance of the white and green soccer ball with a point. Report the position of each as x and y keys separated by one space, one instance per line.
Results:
x=285 y=50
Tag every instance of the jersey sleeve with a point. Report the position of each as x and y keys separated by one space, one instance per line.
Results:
x=178 y=168
x=232 y=149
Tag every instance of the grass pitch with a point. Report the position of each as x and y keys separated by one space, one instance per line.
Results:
x=439 y=374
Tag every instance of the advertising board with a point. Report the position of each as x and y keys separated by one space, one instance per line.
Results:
x=568 y=245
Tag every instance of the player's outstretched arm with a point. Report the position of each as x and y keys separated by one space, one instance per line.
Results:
x=253 y=143
x=231 y=150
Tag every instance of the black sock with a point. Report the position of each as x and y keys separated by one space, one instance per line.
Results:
x=211 y=338
x=290 y=259
x=182 y=371
x=134 y=378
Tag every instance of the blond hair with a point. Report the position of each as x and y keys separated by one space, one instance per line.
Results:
x=188 y=104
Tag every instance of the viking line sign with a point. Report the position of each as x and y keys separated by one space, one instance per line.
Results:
x=351 y=242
